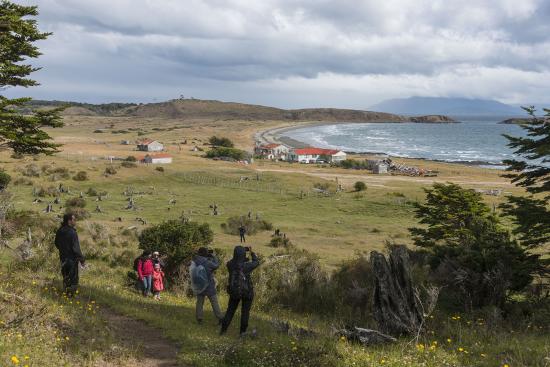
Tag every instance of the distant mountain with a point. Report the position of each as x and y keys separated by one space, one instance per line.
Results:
x=447 y=106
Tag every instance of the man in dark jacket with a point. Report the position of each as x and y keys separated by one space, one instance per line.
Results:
x=240 y=266
x=242 y=232
x=66 y=241
x=210 y=263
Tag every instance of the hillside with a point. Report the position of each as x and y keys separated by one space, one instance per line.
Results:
x=217 y=110
x=446 y=106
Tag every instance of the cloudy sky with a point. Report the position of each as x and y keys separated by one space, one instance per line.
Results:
x=293 y=53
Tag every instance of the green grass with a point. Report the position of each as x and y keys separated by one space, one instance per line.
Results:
x=450 y=340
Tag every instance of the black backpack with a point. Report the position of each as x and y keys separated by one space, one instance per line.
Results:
x=238 y=286
x=136 y=262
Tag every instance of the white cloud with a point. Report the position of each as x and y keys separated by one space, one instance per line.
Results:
x=345 y=53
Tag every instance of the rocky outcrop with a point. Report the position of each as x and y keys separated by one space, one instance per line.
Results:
x=435 y=119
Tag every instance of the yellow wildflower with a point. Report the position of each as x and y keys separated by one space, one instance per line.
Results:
x=14 y=360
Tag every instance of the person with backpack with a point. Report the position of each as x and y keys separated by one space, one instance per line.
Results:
x=145 y=272
x=202 y=281
x=240 y=287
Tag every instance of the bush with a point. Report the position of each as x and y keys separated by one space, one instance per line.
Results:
x=352 y=164
x=75 y=203
x=325 y=186
x=295 y=280
x=160 y=169
x=93 y=192
x=31 y=170
x=130 y=158
x=59 y=172
x=98 y=131
x=222 y=152
x=79 y=213
x=4 y=180
x=359 y=186
x=23 y=181
x=177 y=240
x=280 y=241
x=252 y=226
x=127 y=164
x=81 y=176
x=220 y=142
x=110 y=170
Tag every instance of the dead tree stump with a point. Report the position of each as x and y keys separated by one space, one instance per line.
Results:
x=397 y=309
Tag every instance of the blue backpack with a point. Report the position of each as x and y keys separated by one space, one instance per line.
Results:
x=199 y=278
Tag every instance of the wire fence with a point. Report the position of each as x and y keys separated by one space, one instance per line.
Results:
x=243 y=183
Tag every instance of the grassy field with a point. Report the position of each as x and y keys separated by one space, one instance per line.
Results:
x=334 y=227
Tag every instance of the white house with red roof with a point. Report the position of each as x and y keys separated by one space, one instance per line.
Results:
x=160 y=158
x=272 y=151
x=316 y=155
x=149 y=145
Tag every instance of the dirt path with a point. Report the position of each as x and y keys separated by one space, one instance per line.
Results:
x=154 y=349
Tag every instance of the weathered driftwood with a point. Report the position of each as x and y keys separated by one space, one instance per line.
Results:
x=366 y=337
x=397 y=308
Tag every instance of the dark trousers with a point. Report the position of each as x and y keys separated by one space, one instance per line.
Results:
x=232 y=307
x=69 y=270
x=242 y=238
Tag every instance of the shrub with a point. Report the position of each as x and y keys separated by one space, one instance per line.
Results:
x=81 y=176
x=60 y=172
x=359 y=186
x=110 y=170
x=160 y=169
x=79 y=213
x=4 y=180
x=127 y=164
x=321 y=186
x=98 y=131
x=75 y=203
x=252 y=226
x=31 y=170
x=223 y=152
x=130 y=158
x=220 y=142
x=177 y=240
x=295 y=280
x=23 y=181
x=352 y=164
x=93 y=192
x=279 y=241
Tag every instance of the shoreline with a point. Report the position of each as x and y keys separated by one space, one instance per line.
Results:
x=274 y=135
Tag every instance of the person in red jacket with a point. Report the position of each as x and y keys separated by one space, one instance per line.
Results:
x=158 y=281
x=145 y=272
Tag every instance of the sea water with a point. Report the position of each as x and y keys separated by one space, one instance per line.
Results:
x=473 y=140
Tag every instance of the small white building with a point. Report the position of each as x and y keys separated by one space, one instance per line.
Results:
x=272 y=151
x=156 y=158
x=316 y=155
x=149 y=145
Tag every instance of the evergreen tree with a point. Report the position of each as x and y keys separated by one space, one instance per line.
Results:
x=468 y=248
x=531 y=170
x=23 y=134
